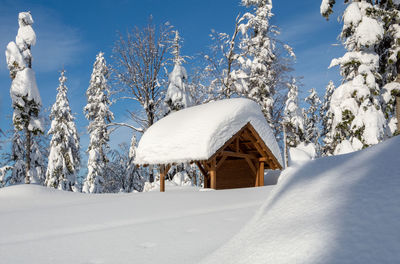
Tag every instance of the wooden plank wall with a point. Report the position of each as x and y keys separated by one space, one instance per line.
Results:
x=235 y=174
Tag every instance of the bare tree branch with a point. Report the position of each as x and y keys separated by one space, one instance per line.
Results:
x=138 y=61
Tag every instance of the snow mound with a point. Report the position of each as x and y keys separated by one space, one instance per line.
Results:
x=197 y=132
x=302 y=153
x=340 y=209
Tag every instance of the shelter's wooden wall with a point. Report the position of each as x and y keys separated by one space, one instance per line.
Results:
x=235 y=174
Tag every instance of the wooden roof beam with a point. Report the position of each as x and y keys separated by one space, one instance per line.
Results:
x=238 y=155
x=266 y=149
x=202 y=170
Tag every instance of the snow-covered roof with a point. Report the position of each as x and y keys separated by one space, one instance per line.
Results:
x=196 y=133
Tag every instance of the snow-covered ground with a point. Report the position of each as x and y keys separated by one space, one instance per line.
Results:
x=342 y=209
x=182 y=225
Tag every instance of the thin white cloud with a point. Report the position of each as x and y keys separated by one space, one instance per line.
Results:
x=57 y=44
x=301 y=30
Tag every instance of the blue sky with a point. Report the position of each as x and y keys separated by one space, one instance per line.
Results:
x=71 y=33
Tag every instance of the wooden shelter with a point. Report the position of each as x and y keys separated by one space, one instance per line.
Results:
x=239 y=163
x=229 y=140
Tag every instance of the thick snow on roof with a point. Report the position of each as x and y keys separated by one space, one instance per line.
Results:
x=196 y=133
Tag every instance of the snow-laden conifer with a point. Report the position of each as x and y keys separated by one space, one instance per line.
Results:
x=326 y=121
x=177 y=96
x=358 y=119
x=293 y=117
x=261 y=72
x=312 y=119
x=389 y=51
x=64 y=157
x=256 y=75
x=24 y=92
x=97 y=111
x=38 y=166
x=132 y=178
x=17 y=155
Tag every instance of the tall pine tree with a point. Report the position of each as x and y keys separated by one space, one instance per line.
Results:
x=312 y=119
x=64 y=157
x=97 y=111
x=356 y=104
x=25 y=95
x=256 y=75
x=293 y=118
x=326 y=121
x=293 y=122
x=177 y=96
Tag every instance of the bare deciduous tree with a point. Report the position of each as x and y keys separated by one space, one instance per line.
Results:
x=222 y=60
x=139 y=58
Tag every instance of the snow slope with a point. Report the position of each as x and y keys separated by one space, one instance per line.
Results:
x=342 y=209
x=43 y=225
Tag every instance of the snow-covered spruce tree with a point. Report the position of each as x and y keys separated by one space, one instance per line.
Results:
x=358 y=119
x=177 y=96
x=17 y=155
x=64 y=156
x=24 y=93
x=326 y=121
x=97 y=111
x=256 y=74
x=292 y=122
x=132 y=179
x=312 y=119
x=262 y=66
x=293 y=118
x=38 y=166
x=389 y=63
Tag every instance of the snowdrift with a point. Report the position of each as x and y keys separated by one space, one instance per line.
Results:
x=342 y=209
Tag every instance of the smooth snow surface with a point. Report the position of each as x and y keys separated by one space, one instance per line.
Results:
x=48 y=226
x=340 y=209
x=206 y=128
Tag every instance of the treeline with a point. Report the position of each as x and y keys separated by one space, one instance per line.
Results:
x=250 y=62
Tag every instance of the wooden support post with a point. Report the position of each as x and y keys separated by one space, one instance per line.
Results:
x=261 y=174
x=162 y=178
x=258 y=176
x=213 y=174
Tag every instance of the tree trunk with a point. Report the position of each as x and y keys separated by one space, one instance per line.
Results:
x=151 y=174
x=28 y=155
